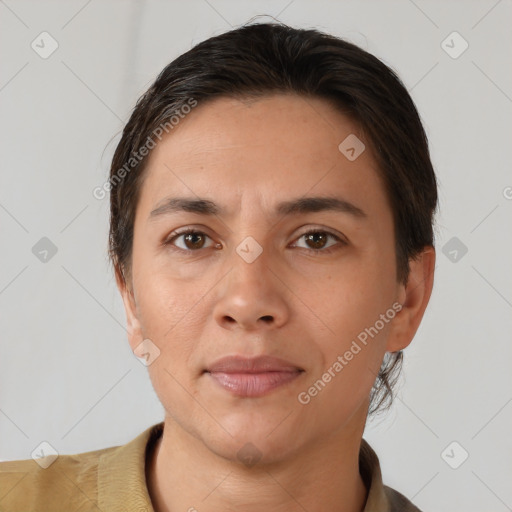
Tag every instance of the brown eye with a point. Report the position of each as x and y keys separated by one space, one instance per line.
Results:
x=194 y=240
x=318 y=240
x=190 y=240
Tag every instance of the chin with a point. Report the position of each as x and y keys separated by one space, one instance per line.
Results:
x=254 y=440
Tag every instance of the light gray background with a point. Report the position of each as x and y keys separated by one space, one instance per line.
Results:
x=67 y=374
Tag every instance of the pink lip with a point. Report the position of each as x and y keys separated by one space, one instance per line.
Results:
x=260 y=364
x=254 y=376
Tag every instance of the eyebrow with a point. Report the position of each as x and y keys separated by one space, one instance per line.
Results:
x=295 y=206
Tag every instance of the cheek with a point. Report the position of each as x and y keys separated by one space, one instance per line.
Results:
x=351 y=360
x=164 y=301
x=352 y=296
x=172 y=318
x=355 y=308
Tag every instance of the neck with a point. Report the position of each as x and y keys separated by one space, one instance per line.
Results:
x=183 y=474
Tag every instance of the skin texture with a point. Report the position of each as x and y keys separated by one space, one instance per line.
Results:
x=292 y=303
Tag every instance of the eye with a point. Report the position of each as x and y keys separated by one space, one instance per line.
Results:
x=192 y=240
x=318 y=239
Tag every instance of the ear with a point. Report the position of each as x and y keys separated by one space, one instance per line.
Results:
x=135 y=336
x=414 y=297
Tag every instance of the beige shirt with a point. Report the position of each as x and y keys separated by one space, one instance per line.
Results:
x=113 y=479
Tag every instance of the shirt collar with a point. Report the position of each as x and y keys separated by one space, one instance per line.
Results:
x=122 y=475
x=369 y=467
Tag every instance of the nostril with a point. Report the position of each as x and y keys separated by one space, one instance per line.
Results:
x=267 y=318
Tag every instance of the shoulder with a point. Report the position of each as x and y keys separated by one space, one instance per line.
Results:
x=68 y=482
x=97 y=480
x=398 y=502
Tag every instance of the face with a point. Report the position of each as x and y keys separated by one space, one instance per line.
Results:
x=300 y=283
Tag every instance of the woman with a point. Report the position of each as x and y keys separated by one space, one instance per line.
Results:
x=272 y=200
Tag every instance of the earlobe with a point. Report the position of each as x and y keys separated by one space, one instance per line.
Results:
x=134 y=330
x=416 y=294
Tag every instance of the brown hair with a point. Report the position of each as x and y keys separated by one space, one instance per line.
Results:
x=265 y=58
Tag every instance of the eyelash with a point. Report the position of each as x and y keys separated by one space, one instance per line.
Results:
x=169 y=241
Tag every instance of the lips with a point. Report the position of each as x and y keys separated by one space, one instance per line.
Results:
x=252 y=377
x=239 y=364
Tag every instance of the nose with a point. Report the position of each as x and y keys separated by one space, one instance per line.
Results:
x=251 y=297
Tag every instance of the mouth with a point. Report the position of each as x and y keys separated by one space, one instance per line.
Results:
x=252 y=377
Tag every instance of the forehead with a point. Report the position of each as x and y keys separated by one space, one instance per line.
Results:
x=309 y=127
x=276 y=146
